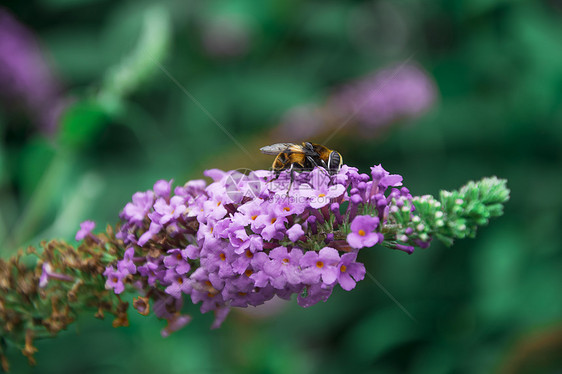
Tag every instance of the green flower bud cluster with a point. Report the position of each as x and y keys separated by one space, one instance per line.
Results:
x=457 y=214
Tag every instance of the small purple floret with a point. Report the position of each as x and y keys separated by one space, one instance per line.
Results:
x=362 y=232
x=86 y=228
x=350 y=271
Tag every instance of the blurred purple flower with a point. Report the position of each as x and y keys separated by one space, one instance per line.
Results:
x=302 y=122
x=225 y=37
x=25 y=76
x=387 y=95
x=381 y=98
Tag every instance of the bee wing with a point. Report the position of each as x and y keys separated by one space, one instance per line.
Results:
x=275 y=149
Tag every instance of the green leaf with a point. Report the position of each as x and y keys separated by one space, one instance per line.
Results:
x=81 y=124
x=35 y=159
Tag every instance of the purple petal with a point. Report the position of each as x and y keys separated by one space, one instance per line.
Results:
x=295 y=232
x=346 y=282
x=330 y=275
x=355 y=240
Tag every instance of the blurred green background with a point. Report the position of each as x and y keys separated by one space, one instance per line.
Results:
x=101 y=98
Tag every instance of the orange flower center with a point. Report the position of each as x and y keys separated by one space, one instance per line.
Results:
x=248 y=272
x=249 y=254
x=362 y=233
x=222 y=256
x=254 y=217
x=319 y=264
x=180 y=280
x=178 y=256
x=343 y=268
x=287 y=209
x=285 y=260
x=273 y=220
x=115 y=279
x=322 y=195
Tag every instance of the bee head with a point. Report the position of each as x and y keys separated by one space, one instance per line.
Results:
x=308 y=146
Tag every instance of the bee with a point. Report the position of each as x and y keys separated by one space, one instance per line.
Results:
x=303 y=157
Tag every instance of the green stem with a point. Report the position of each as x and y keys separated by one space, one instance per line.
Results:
x=35 y=210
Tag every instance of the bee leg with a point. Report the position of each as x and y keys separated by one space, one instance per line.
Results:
x=312 y=162
x=291 y=178
x=327 y=172
x=276 y=174
x=322 y=165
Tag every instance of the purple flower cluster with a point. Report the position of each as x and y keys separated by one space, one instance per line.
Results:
x=233 y=243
